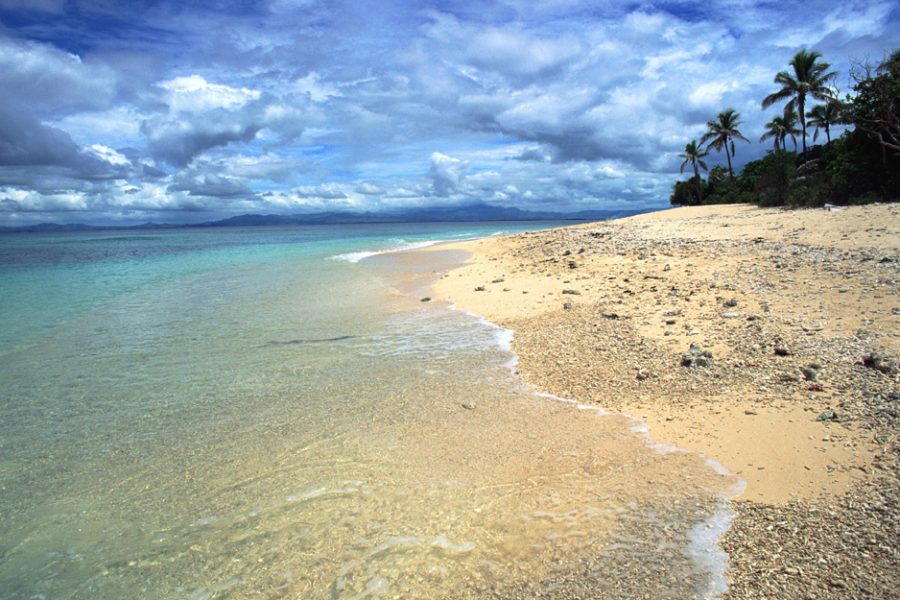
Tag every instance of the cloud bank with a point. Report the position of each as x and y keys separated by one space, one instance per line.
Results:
x=116 y=112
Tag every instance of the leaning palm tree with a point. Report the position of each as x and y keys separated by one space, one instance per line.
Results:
x=823 y=116
x=722 y=133
x=693 y=155
x=779 y=128
x=810 y=78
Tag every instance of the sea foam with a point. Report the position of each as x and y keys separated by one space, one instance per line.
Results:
x=399 y=246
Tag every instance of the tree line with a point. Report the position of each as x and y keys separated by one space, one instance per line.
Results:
x=862 y=165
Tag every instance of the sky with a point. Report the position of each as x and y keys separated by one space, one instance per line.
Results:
x=171 y=111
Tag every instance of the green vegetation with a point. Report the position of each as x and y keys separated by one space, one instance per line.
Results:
x=861 y=165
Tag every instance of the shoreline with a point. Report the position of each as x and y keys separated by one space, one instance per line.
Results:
x=787 y=429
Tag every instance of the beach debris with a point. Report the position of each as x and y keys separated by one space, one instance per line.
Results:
x=611 y=316
x=498 y=280
x=697 y=357
x=573 y=264
x=729 y=315
x=567 y=306
x=879 y=363
x=468 y=405
x=571 y=292
x=425 y=299
x=479 y=288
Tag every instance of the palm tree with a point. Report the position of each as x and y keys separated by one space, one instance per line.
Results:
x=693 y=154
x=723 y=132
x=823 y=116
x=810 y=78
x=780 y=128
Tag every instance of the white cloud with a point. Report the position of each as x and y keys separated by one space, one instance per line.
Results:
x=19 y=200
x=109 y=155
x=446 y=173
x=194 y=94
x=318 y=90
x=51 y=81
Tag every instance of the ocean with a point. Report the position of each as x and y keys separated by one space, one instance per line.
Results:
x=270 y=412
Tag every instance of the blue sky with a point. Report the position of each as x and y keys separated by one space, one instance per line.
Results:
x=185 y=111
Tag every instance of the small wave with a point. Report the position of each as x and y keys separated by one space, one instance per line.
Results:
x=707 y=553
x=349 y=487
x=401 y=245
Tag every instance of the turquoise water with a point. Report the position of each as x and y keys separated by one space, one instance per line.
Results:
x=259 y=412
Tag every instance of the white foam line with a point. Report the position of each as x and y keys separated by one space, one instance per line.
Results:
x=707 y=553
x=355 y=257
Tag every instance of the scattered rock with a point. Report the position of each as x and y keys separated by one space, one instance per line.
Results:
x=611 y=316
x=670 y=321
x=781 y=350
x=480 y=288
x=731 y=302
x=729 y=315
x=573 y=264
x=828 y=415
x=571 y=292
x=567 y=306
x=879 y=363
x=468 y=405
x=696 y=357
x=667 y=267
x=425 y=299
x=809 y=373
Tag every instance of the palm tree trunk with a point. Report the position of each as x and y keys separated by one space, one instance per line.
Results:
x=697 y=180
x=828 y=132
x=728 y=156
x=801 y=103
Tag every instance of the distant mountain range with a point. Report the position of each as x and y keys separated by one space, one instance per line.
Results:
x=472 y=212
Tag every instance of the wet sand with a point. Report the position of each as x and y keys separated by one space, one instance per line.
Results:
x=798 y=312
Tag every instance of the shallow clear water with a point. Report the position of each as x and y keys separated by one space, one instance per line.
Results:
x=248 y=412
